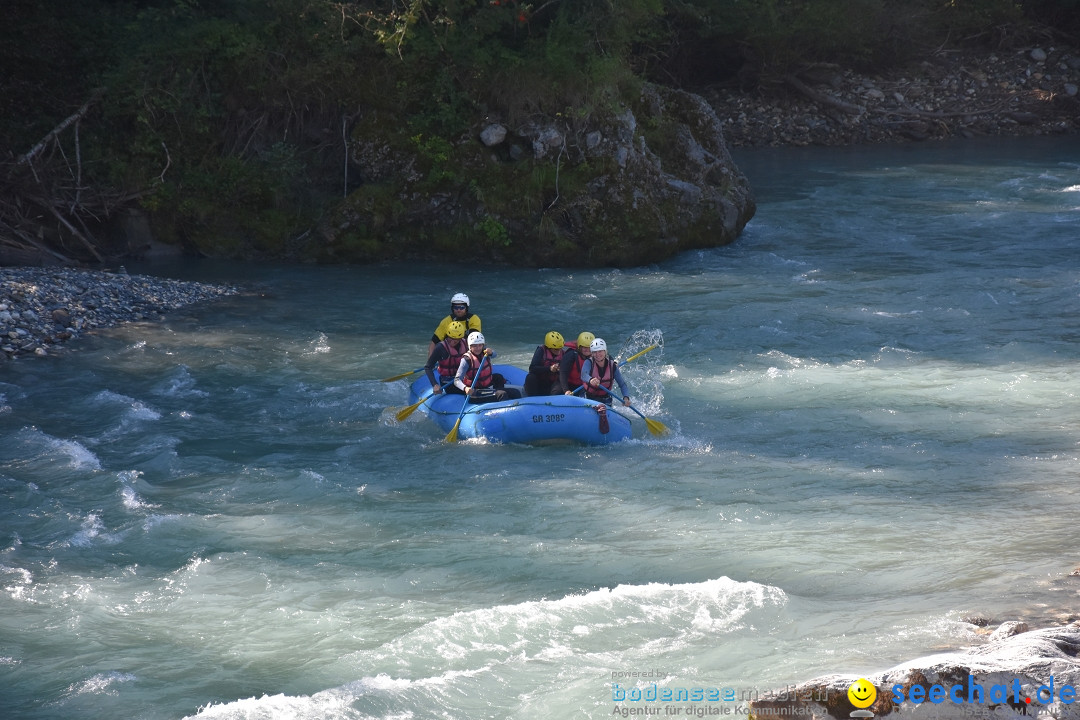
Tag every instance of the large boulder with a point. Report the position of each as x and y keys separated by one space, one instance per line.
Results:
x=668 y=184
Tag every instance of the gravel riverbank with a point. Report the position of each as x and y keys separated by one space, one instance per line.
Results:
x=1026 y=92
x=42 y=308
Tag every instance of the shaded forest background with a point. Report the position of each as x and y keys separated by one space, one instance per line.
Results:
x=225 y=124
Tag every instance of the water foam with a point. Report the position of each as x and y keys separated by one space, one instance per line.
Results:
x=448 y=661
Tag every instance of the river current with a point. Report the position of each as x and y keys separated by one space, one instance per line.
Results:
x=873 y=403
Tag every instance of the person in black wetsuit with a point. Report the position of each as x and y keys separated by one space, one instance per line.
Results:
x=446 y=356
x=544 y=367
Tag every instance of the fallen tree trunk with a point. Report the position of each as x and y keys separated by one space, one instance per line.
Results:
x=55 y=132
x=44 y=203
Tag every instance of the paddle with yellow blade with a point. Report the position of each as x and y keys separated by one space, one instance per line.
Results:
x=655 y=426
x=452 y=435
x=405 y=412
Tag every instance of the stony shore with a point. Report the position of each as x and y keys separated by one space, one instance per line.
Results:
x=1027 y=92
x=42 y=308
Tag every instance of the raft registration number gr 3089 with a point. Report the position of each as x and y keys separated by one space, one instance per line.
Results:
x=557 y=417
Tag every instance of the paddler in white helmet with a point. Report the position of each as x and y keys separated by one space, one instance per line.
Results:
x=601 y=371
x=475 y=378
x=459 y=310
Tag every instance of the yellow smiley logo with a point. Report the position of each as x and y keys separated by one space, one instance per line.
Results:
x=861 y=693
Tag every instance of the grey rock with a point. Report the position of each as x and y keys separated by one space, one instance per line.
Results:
x=1008 y=629
x=1026 y=662
x=493 y=134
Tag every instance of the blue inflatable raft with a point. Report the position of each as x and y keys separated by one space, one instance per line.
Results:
x=540 y=419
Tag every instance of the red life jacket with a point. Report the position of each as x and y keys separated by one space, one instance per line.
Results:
x=448 y=365
x=606 y=377
x=485 y=374
x=573 y=376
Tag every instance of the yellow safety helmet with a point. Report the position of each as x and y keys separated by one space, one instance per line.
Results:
x=584 y=340
x=553 y=340
x=456 y=329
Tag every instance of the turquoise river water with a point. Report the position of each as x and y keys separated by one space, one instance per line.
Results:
x=875 y=425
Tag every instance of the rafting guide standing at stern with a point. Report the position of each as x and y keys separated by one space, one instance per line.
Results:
x=459 y=310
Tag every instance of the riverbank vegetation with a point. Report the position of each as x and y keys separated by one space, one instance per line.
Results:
x=229 y=128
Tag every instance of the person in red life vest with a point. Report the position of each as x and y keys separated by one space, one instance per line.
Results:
x=544 y=367
x=600 y=370
x=476 y=380
x=459 y=310
x=446 y=356
x=570 y=366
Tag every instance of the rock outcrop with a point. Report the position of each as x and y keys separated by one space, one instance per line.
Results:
x=1032 y=674
x=632 y=185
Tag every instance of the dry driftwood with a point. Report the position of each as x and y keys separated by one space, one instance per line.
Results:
x=822 y=98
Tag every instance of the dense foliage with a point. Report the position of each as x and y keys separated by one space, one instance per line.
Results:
x=229 y=120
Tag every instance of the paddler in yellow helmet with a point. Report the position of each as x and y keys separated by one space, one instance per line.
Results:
x=446 y=356
x=544 y=367
x=570 y=365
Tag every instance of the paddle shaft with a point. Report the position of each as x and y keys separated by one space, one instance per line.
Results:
x=402 y=376
x=452 y=435
x=636 y=355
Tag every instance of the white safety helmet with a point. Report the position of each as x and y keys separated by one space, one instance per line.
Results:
x=476 y=338
x=460 y=298
x=597 y=344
